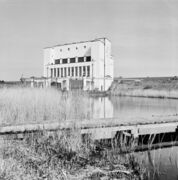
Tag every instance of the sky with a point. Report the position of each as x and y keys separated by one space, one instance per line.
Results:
x=143 y=33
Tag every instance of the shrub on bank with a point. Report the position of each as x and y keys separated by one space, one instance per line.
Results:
x=147 y=87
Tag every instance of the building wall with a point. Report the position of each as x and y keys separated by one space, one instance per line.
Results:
x=100 y=53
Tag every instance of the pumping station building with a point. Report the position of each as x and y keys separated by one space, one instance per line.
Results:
x=86 y=65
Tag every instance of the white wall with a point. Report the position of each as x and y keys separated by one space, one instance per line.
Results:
x=109 y=61
x=72 y=52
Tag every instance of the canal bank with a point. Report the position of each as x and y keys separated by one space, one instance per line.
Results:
x=164 y=87
x=87 y=158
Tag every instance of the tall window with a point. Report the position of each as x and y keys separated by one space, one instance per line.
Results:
x=72 y=71
x=76 y=71
x=54 y=72
x=57 y=72
x=51 y=72
x=81 y=59
x=68 y=71
x=80 y=71
x=65 y=73
x=84 y=71
x=88 y=71
x=61 y=72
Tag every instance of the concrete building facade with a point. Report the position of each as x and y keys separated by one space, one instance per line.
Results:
x=86 y=65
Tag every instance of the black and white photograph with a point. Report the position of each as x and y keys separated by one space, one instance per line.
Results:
x=88 y=89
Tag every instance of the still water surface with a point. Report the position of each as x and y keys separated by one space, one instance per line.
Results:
x=165 y=161
x=118 y=107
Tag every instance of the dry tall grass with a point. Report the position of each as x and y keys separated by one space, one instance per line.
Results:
x=26 y=105
x=58 y=155
x=64 y=156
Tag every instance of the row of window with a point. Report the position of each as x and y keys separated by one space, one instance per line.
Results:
x=73 y=60
x=69 y=48
x=81 y=71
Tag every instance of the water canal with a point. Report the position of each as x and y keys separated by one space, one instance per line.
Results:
x=123 y=107
x=164 y=162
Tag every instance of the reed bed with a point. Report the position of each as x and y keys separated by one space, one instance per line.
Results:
x=31 y=105
x=56 y=155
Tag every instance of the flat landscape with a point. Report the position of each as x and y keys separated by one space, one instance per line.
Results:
x=60 y=154
x=64 y=154
x=155 y=87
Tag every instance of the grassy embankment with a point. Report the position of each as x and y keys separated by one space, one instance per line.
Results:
x=57 y=155
x=148 y=87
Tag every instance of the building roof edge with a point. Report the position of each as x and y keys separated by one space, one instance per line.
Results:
x=65 y=44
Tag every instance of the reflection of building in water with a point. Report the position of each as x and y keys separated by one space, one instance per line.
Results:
x=142 y=107
x=101 y=107
x=84 y=65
